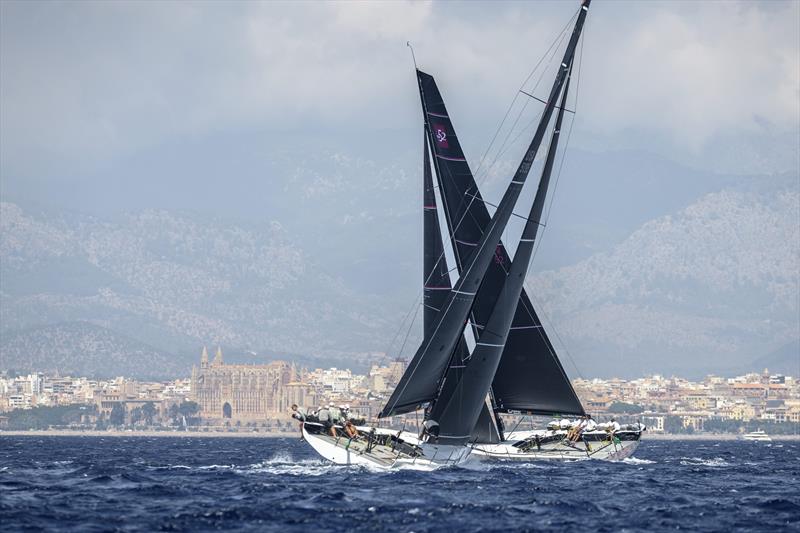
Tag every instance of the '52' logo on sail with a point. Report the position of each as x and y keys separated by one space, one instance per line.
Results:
x=440 y=134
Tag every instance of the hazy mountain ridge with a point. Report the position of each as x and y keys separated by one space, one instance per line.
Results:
x=175 y=283
x=719 y=278
x=81 y=348
x=714 y=281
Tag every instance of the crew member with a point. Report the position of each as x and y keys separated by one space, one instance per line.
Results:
x=299 y=413
x=350 y=430
x=324 y=415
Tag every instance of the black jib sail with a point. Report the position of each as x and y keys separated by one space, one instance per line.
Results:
x=530 y=378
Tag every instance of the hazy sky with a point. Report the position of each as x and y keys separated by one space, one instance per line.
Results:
x=83 y=85
x=306 y=116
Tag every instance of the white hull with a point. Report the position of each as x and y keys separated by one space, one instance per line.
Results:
x=758 y=436
x=385 y=449
x=553 y=446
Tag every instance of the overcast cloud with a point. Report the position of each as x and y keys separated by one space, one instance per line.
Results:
x=83 y=83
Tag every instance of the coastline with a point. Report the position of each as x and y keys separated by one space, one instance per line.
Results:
x=214 y=433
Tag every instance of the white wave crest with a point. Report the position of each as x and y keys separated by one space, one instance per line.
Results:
x=699 y=461
x=284 y=465
x=637 y=461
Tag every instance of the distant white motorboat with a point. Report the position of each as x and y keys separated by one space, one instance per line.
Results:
x=759 y=435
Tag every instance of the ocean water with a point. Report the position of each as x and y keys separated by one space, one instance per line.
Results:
x=197 y=484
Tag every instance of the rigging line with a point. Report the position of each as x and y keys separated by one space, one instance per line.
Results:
x=523 y=217
x=530 y=75
x=539 y=241
x=508 y=146
x=555 y=187
x=558 y=177
x=480 y=179
x=530 y=312
x=561 y=341
x=554 y=47
x=564 y=33
x=506 y=270
x=562 y=159
x=400 y=353
x=544 y=102
x=569 y=133
x=399 y=329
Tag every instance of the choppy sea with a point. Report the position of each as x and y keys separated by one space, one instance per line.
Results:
x=262 y=484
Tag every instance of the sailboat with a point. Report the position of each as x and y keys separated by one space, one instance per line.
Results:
x=530 y=379
x=463 y=389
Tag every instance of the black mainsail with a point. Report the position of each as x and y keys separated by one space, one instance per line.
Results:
x=456 y=416
x=530 y=377
x=421 y=381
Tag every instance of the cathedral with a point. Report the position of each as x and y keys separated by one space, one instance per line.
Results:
x=247 y=393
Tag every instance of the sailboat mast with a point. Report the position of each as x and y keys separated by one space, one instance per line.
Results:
x=419 y=382
x=463 y=408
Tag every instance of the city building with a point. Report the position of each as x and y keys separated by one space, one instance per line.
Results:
x=247 y=393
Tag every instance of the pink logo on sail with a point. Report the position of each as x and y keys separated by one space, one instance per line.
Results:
x=498 y=255
x=440 y=134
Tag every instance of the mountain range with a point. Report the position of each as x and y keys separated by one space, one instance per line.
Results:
x=676 y=271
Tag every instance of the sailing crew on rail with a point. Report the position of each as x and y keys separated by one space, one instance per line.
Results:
x=325 y=418
x=336 y=414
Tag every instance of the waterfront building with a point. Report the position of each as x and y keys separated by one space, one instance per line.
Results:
x=246 y=393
